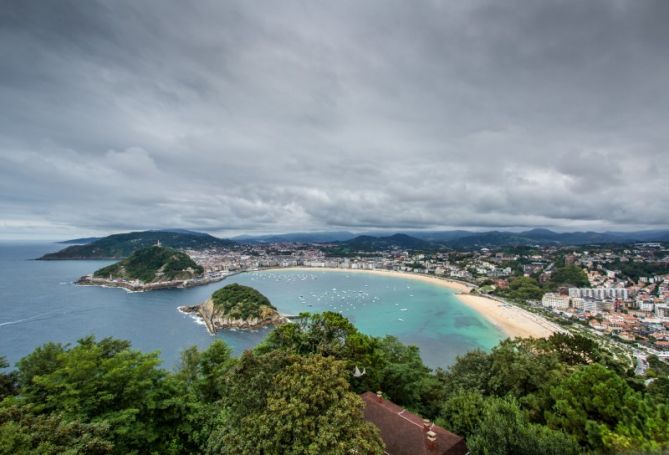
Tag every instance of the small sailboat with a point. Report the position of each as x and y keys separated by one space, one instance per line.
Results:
x=357 y=373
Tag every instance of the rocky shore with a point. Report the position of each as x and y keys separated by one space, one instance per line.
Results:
x=138 y=286
x=215 y=319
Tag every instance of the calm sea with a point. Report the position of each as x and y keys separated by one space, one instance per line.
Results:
x=39 y=303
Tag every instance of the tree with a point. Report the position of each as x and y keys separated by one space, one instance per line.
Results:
x=402 y=371
x=573 y=349
x=42 y=361
x=462 y=412
x=22 y=432
x=518 y=368
x=306 y=407
x=107 y=382
x=469 y=372
x=602 y=411
x=498 y=426
x=8 y=381
x=203 y=372
x=569 y=275
x=503 y=430
x=523 y=288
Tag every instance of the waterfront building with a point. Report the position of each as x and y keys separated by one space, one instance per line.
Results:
x=557 y=301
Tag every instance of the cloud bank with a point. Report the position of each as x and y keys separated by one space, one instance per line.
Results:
x=275 y=116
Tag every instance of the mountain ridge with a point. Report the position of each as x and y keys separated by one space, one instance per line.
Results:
x=122 y=245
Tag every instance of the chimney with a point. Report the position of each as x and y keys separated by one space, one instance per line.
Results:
x=426 y=425
x=431 y=440
x=379 y=396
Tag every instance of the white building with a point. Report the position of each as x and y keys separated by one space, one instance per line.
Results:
x=550 y=299
x=577 y=303
x=662 y=310
x=598 y=293
x=591 y=306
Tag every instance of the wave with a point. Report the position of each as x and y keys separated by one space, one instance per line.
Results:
x=195 y=317
x=36 y=317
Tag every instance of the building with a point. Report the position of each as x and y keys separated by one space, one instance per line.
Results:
x=591 y=306
x=662 y=311
x=405 y=433
x=599 y=293
x=550 y=299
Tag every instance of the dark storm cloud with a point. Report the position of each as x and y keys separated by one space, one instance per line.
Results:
x=275 y=116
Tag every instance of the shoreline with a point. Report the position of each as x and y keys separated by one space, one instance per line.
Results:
x=89 y=280
x=510 y=319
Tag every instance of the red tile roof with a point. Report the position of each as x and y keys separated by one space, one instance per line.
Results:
x=403 y=432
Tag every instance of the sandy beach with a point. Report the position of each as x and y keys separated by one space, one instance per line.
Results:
x=510 y=319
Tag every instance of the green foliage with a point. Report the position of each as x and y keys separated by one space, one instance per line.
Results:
x=503 y=429
x=471 y=371
x=522 y=288
x=635 y=270
x=7 y=380
x=306 y=408
x=495 y=425
x=574 y=349
x=203 y=372
x=571 y=275
x=602 y=411
x=295 y=393
x=22 y=432
x=106 y=382
x=240 y=302
x=403 y=374
x=519 y=369
x=123 y=245
x=391 y=366
x=151 y=263
x=462 y=412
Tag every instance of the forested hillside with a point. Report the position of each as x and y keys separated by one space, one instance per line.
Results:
x=295 y=393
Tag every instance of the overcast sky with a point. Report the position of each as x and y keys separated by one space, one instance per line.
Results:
x=279 y=116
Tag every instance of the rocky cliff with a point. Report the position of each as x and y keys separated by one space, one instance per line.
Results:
x=236 y=307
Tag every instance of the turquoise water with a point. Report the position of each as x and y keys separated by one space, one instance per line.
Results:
x=39 y=303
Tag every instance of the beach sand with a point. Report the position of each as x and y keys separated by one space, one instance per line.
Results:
x=510 y=319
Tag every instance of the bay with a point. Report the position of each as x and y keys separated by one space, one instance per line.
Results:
x=39 y=303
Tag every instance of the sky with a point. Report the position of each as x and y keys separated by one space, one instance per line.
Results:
x=254 y=117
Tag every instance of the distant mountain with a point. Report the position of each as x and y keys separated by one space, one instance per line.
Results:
x=81 y=241
x=119 y=246
x=548 y=237
x=297 y=237
x=460 y=238
x=440 y=236
x=396 y=241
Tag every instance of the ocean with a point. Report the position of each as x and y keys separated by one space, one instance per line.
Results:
x=39 y=303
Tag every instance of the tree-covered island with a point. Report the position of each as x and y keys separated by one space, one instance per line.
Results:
x=155 y=267
x=236 y=306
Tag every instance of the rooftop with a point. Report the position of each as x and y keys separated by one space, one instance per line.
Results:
x=404 y=433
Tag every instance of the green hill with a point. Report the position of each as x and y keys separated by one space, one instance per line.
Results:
x=240 y=302
x=369 y=243
x=151 y=264
x=119 y=246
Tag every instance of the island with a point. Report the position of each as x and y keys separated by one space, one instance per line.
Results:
x=155 y=267
x=236 y=307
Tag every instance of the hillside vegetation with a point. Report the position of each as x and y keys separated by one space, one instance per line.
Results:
x=295 y=393
x=119 y=246
x=240 y=302
x=155 y=263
